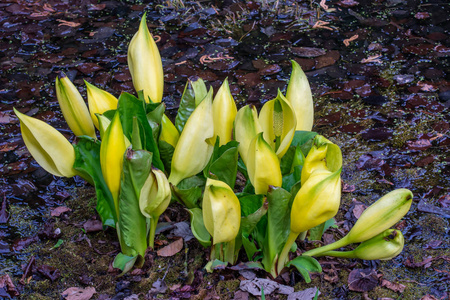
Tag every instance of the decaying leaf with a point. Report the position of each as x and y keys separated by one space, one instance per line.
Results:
x=362 y=280
x=76 y=293
x=7 y=286
x=56 y=212
x=254 y=287
x=171 y=249
x=396 y=287
x=307 y=294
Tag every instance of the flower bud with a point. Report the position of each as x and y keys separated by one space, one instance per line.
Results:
x=384 y=246
x=317 y=200
x=278 y=122
x=145 y=64
x=299 y=96
x=99 y=101
x=155 y=195
x=263 y=166
x=221 y=211
x=73 y=107
x=224 y=111
x=246 y=127
x=49 y=148
x=324 y=155
x=112 y=150
x=380 y=216
x=194 y=147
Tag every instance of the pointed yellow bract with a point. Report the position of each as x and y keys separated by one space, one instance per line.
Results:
x=194 y=148
x=278 y=122
x=317 y=200
x=299 y=96
x=99 y=101
x=381 y=215
x=224 y=111
x=112 y=150
x=263 y=166
x=155 y=195
x=246 y=127
x=221 y=211
x=144 y=62
x=73 y=107
x=169 y=132
x=49 y=148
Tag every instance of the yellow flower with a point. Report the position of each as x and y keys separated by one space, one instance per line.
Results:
x=324 y=155
x=49 y=148
x=278 y=122
x=194 y=147
x=317 y=200
x=112 y=150
x=73 y=107
x=224 y=111
x=245 y=129
x=145 y=64
x=155 y=195
x=263 y=166
x=99 y=101
x=384 y=246
x=299 y=96
x=221 y=211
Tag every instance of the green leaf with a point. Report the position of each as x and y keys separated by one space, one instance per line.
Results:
x=129 y=107
x=315 y=234
x=249 y=247
x=198 y=227
x=133 y=225
x=187 y=106
x=189 y=191
x=124 y=262
x=305 y=265
x=290 y=180
x=278 y=225
x=250 y=203
x=215 y=264
x=87 y=162
x=136 y=136
x=286 y=161
x=156 y=114
x=58 y=244
x=166 y=151
x=304 y=139
x=224 y=162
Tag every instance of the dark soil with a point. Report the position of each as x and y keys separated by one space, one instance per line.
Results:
x=384 y=99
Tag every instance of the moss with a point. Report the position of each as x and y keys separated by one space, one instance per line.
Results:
x=225 y=288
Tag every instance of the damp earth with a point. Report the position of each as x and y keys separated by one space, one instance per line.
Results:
x=379 y=72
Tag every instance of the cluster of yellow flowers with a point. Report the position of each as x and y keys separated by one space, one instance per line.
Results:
x=132 y=194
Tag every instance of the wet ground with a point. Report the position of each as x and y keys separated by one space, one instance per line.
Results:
x=379 y=71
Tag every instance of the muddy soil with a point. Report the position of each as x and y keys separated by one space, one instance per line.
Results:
x=379 y=72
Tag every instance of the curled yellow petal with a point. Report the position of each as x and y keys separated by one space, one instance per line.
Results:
x=194 y=147
x=144 y=62
x=278 y=122
x=73 y=107
x=245 y=129
x=155 y=195
x=112 y=150
x=169 y=132
x=299 y=96
x=49 y=148
x=221 y=211
x=99 y=101
x=224 y=111
x=263 y=166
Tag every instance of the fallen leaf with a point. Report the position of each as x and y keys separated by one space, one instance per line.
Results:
x=56 y=212
x=93 y=226
x=4 y=215
x=76 y=293
x=358 y=210
x=362 y=280
x=158 y=287
x=171 y=249
x=254 y=287
x=426 y=263
x=307 y=294
x=49 y=272
x=7 y=285
x=6 y=118
x=396 y=287
x=428 y=297
x=68 y=23
x=182 y=230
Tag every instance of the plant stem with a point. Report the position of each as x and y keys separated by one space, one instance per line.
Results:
x=302 y=235
x=151 y=233
x=343 y=254
x=318 y=251
x=282 y=259
x=229 y=251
